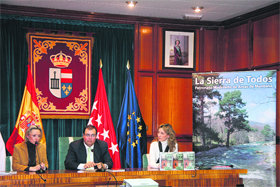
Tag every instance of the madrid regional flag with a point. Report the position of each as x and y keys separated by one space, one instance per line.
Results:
x=101 y=118
x=29 y=114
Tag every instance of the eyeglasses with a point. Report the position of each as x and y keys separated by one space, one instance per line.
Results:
x=90 y=135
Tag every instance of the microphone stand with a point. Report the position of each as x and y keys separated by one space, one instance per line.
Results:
x=41 y=169
x=104 y=170
x=113 y=176
x=41 y=176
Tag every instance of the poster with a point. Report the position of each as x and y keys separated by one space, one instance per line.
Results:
x=235 y=123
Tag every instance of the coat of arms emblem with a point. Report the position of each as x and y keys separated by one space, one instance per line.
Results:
x=60 y=79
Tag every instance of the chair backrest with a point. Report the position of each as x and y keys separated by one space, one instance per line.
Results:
x=9 y=161
x=145 y=160
x=63 y=145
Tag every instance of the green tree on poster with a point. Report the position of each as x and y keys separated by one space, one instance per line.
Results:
x=232 y=112
x=268 y=133
x=199 y=106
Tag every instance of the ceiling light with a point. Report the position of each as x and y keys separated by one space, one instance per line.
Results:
x=131 y=4
x=192 y=16
x=197 y=9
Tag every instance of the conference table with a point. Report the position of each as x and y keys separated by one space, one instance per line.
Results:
x=219 y=177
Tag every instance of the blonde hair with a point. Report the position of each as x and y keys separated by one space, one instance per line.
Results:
x=30 y=128
x=167 y=128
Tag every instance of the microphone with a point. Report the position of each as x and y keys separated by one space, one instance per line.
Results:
x=41 y=169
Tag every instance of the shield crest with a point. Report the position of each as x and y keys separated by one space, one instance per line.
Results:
x=29 y=118
x=60 y=82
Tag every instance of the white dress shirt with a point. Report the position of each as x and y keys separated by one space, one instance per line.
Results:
x=82 y=165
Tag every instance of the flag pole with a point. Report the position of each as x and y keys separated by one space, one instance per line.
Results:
x=127 y=65
x=100 y=64
x=100 y=117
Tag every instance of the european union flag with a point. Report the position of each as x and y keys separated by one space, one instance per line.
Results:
x=131 y=129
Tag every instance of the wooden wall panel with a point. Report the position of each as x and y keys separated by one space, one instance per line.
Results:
x=165 y=96
x=146 y=48
x=197 y=48
x=237 y=47
x=174 y=104
x=160 y=48
x=210 y=51
x=185 y=146
x=266 y=41
x=145 y=100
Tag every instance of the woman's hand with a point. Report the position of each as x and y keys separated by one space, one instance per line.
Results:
x=35 y=168
x=38 y=167
x=43 y=166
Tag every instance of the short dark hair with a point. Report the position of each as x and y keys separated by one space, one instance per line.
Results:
x=178 y=41
x=89 y=127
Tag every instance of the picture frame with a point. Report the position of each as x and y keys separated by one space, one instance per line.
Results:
x=178 y=49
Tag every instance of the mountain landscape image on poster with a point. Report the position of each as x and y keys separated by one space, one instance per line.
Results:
x=235 y=123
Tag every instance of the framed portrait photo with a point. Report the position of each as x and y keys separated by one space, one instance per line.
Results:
x=178 y=49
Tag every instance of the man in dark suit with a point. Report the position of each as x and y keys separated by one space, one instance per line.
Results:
x=88 y=152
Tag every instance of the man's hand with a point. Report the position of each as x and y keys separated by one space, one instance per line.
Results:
x=100 y=165
x=89 y=165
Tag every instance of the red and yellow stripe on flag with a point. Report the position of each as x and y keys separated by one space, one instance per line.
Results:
x=29 y=114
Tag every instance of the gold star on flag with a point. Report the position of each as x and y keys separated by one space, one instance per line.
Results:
x=133 y=113
x=139 y=135
x=138 y=120
x=127 y=133
x=136 y=141
x=140 y=127
x=133 y=144
x=129 y=117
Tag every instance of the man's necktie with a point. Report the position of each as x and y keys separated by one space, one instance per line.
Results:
x=89 y=155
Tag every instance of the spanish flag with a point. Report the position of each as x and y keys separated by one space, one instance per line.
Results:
x=29 y=114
